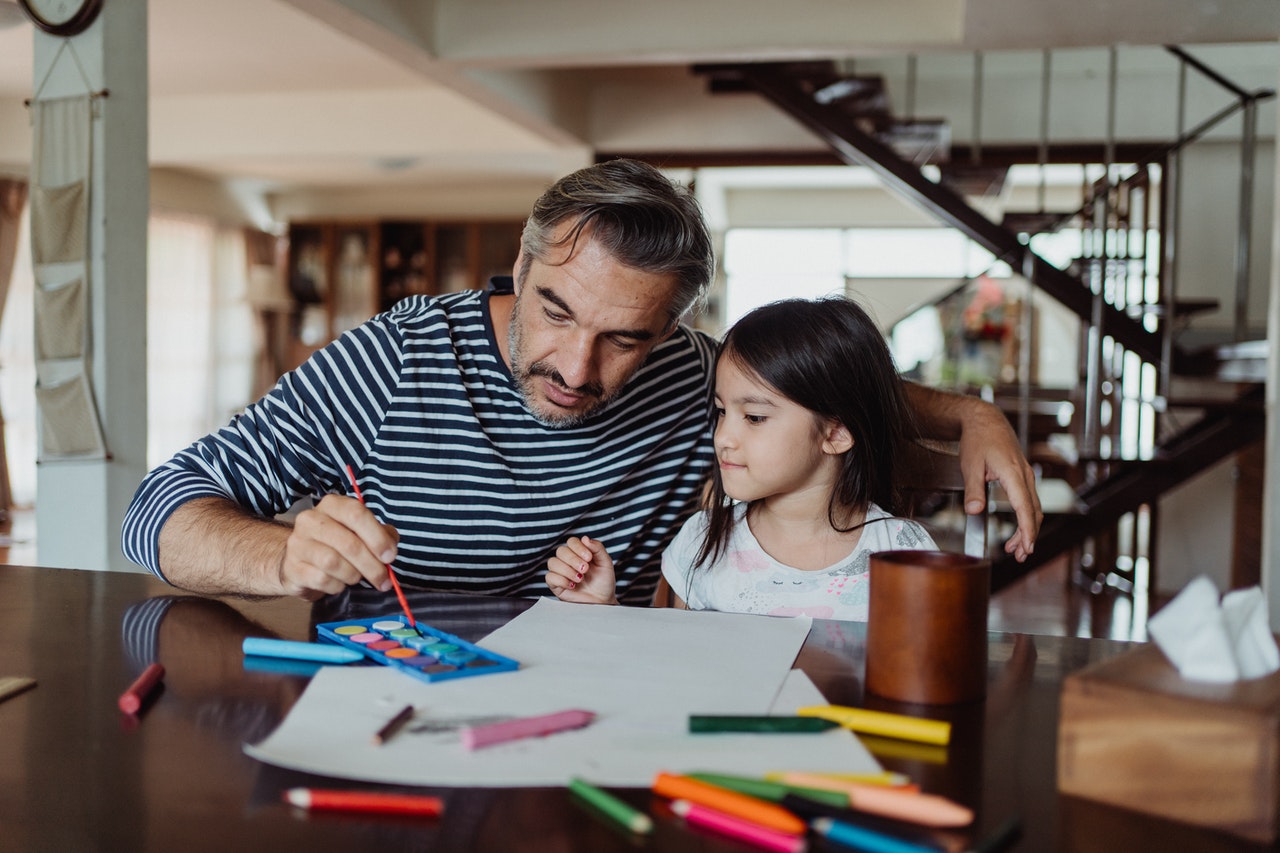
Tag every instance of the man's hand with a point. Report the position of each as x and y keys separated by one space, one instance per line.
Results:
x=335 y=545
x=582 y=571
x=989 y=451
x=211 y=545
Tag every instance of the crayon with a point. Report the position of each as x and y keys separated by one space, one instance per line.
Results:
x=474 y=737
x=611 y=807
x=294 y=650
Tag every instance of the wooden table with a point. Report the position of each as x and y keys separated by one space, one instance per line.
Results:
x=77 y=775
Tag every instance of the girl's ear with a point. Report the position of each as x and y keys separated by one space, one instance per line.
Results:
x=836 y=439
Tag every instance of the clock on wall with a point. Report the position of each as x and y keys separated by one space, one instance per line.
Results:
x=62 y=17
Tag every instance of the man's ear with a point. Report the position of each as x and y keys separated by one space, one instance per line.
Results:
x=515 y=269
x=837 y=439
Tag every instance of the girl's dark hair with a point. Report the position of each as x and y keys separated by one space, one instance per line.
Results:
x=828 y=356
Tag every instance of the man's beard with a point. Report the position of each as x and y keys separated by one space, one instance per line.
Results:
x=527 y=379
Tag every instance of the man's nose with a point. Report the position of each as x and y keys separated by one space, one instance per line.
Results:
x=578 y=363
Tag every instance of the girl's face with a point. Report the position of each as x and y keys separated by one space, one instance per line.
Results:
x=766 y=445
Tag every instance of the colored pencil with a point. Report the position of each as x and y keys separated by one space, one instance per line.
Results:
x=12 y=685
x=863 y=839
x=924 y=809
x=942 y=840
x=131 y=700
x=887 y=778
x=882 y=723
x=716 y=724
x=474 y=737
x=619 y=812
x=825 y=782
x=735 y=827
x=757 y=811
x=395 y=583
x=317 y=799
x=295 y=650
x=393 y=725
x=766 y=789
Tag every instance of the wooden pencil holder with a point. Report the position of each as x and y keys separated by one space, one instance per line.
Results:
x=927 y=627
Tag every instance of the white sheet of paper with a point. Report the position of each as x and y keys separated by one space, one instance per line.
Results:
x=641 y=670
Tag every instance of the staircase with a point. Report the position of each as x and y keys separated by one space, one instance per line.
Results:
x=1121 y=288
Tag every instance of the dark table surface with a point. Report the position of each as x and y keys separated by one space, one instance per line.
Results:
x=75 y=774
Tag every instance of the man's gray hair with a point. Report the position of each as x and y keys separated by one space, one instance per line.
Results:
x=640 y=217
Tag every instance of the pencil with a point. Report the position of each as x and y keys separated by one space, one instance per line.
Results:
x=766 y=789
x=736 y=827
x=393 y=725
x=716 y=724
x=364 y=801
x=395 y=583
x=757 y=811
x=882 y=723
x=619 y=812
x=131 y=700
x=868 y=840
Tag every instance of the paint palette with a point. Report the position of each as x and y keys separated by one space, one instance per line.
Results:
x=424 y=653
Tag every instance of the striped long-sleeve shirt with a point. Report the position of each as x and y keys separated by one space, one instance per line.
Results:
x=419 y=401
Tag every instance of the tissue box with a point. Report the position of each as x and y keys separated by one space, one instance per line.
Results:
x=1133 y=733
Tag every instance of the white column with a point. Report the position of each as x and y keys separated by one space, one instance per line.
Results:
x=1271 y=483
x=80 y=504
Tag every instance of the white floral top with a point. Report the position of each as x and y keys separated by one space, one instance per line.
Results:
x=747 y=580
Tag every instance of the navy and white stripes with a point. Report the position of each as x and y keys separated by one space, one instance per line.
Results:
x=420 y=403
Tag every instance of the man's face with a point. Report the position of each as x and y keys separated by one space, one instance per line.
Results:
x=581 y=328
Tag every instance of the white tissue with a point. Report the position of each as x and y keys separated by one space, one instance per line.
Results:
x=1208 y=641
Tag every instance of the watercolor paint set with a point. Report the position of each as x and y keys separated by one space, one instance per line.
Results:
x=421 y=651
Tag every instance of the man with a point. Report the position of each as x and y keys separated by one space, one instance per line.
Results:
x=484 y=428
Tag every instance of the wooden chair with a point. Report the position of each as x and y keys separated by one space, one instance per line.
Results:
x=932 y=488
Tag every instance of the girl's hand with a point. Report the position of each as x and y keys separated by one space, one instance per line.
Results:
x=582 y=571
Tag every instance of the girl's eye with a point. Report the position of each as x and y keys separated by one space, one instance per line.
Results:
x=717 y=412
x=755 y=419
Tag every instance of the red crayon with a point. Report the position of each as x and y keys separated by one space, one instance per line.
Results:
x=131 y=700
x=364 y=801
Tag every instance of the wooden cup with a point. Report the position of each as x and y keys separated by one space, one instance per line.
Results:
x=927 y=627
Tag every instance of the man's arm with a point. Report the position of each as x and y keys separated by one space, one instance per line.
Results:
x=989 y=451
x=211 y=545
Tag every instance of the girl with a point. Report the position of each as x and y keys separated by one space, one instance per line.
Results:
x=810 y=416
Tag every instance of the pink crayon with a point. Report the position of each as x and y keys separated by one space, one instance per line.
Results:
x=475 y=737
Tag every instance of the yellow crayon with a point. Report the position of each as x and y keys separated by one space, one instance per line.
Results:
x=882 y=723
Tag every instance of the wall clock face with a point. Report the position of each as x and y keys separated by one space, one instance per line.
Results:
x=62 y=17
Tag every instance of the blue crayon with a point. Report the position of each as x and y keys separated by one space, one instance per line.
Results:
x=322 y=652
